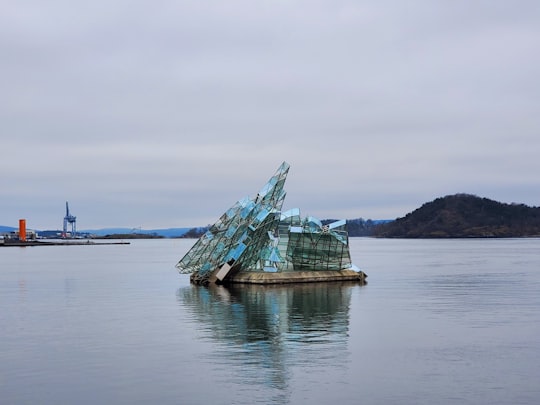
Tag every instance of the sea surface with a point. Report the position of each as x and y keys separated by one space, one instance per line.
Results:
x=439 y=322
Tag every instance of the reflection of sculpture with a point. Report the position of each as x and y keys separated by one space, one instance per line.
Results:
x=255 y=236
x=278 y=327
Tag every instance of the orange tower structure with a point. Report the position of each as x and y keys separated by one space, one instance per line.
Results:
x=22 y=230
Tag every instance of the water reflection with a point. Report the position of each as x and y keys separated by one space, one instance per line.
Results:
x=264 y=334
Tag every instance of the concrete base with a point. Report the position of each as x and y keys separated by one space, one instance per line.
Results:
x=296 y=277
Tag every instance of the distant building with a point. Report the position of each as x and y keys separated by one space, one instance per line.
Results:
x=14 y=235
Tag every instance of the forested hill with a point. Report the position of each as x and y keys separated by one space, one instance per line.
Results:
x=464 y=216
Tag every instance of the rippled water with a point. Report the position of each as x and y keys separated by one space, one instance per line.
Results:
x=449 y=321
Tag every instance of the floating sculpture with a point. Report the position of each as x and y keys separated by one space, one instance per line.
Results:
x=255 y=236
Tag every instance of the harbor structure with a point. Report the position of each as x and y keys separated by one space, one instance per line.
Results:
x=20 y=235
x=71 y=220
x=22 y=230
x=254 y=241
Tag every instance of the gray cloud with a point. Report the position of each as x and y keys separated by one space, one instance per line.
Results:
x=160 y=114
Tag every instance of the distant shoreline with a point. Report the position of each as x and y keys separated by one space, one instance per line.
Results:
x=18 y=243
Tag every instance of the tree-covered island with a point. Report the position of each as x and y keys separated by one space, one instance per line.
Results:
x=464 y=216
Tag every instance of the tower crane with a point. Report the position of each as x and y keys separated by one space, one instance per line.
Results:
x=69 y=219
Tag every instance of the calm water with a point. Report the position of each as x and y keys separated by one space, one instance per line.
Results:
x=440 y=322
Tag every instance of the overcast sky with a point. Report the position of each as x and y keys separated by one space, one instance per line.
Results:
x=164 y=113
